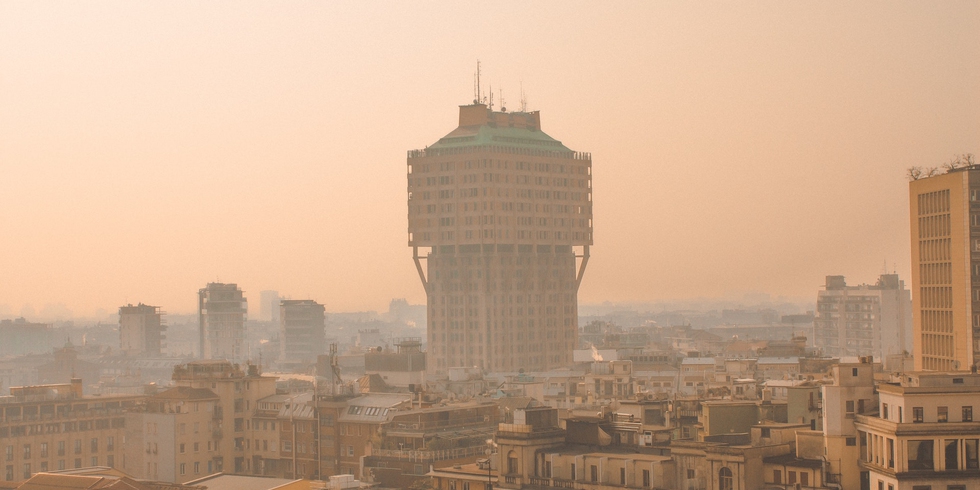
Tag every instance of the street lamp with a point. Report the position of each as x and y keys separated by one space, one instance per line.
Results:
x=489 y=451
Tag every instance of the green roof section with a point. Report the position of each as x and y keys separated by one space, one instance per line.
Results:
x=489 y=135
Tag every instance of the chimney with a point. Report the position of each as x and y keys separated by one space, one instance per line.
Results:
x=76 y=387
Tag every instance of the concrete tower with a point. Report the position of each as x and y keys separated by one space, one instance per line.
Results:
x=504 y=213
x=141 y=330
x=222 y=312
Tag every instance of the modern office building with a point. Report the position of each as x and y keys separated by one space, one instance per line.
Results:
x=503 y=213
x=945 y=232
x=141 y=330
x=301 y=331
x=865 y=320
x=222 y=312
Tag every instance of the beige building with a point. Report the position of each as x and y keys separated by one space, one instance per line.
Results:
x=222 y=310
x=924 y=434
x=945 y=226
x=239 y=390
x=174 y=436
x=54 y=427
x=864 y=320
x=141 y=330
x=505 y=213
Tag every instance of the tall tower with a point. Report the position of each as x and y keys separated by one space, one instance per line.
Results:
x=222 y=311
x=141 y=330
x=505 y=213
x=301 y=331
x=945 y=225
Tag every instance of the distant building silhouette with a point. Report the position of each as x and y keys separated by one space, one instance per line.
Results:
x=865 y=320
x=222 y=312
x=500 y=205
x=301 y=331
x=141 y=330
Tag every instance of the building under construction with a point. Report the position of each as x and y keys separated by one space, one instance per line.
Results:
x=222 y=312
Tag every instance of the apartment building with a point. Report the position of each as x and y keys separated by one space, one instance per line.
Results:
x=222 y=310
x=141 y=330
x=174 y=436
x=865 y=320
x=54 y=427
x=301 y=332
x=924 y=436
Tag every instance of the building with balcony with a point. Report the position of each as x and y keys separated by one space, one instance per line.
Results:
x=866 y=320
x=222 y=310
x=924 y=435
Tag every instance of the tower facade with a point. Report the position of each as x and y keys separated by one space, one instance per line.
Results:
x=301 y=331
x=500 y=214
x=945 y=225
x=222 y=312
x=141 y=330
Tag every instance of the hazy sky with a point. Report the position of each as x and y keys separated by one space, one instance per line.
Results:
x=147 y=148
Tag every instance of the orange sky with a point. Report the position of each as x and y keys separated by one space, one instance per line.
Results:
x=148 y=148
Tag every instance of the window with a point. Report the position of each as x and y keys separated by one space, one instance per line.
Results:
x=594 y=473
x=182 y=448
x=920 y=455
x=95 y=460
x=571 y=471
x=884 y=411
x=95 y=445
x=942 y=414
x=44 y=450
x=110 y=461
x=61 y=448
x=725 y=479
x=777 y=476
x=197 y=468
x=10 y=472
x=27 y=470
x=690 y=473
x=10 y=455
x=78 y=447
x=901 y=417
x=804 y=478
x=952 y=454
x=110 y=443
x=917 y=415
x=851 y=441
x=183 y=468
x=27 y=451
x=646 y=478
x=791 y=477
x=849 y=408
x=970 y=447
x=968 y=414
x=622 y=476
x=854 y=371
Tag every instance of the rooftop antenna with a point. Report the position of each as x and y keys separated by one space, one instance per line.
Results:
x=491 y=95
x=503 y=106
x=523 y=99
x=477 y=96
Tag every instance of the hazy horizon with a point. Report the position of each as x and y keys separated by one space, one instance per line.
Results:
x=148 y=149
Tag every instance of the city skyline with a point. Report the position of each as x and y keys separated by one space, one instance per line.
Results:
x=749 y=145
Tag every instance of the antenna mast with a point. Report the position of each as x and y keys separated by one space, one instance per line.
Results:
x=523 y=99
x=477 y=95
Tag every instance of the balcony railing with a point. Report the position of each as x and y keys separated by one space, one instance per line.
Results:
x=425 y=455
